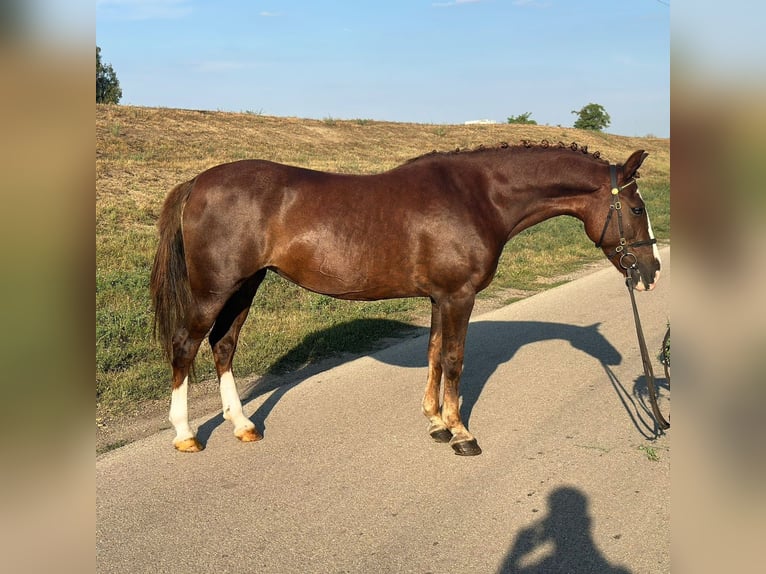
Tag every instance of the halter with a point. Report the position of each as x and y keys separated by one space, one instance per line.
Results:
x=627 y=259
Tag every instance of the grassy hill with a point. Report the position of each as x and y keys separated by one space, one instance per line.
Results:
x=141 y=153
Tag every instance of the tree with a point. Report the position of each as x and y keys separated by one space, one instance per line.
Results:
x=108 y=89
x=592 y=117
x=522 y=119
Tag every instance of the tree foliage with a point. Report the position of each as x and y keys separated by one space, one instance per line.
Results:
x=108 y=89
x=524 y=118
x=592 y=117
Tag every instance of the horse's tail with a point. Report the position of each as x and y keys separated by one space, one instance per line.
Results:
x=169 y=284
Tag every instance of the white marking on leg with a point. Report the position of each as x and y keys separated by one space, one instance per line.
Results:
x=232 y=406
x=179 y=414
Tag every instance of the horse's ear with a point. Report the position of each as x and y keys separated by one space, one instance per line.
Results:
x=631 y=166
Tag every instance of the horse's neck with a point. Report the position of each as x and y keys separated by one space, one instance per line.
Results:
x=534 y=198
x=534 y=212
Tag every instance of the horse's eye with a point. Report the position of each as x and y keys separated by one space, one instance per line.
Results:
x=637 y=210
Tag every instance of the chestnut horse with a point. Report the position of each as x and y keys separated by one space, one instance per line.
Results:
x=433 y=227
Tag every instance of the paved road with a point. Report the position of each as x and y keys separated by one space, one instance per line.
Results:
x=347 y=480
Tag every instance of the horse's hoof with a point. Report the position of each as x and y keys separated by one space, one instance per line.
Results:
x=466 y=447
x=441 y=435
x=248 y=435
x=188 y=445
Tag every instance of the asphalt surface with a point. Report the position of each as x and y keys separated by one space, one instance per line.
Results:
x=347 y=480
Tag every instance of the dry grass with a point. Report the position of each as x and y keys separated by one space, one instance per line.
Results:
x=141 y=153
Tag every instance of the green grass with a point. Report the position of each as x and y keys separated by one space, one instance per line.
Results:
x=650 y=452
x=143 y=152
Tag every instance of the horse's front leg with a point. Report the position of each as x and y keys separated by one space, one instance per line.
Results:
x=455 y=313
x=431 y=399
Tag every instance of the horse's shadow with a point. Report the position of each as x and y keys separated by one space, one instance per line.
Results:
x=488 y=345
x=340 y=343
x=492 y=343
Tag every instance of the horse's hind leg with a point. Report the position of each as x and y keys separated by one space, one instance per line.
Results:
x=185 y=346
x=186 y=342
x=223 y=341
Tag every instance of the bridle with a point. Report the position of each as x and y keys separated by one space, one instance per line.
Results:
x=627 y=259
x=629 y=262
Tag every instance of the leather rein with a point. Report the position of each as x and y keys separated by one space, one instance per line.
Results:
x=629 y=262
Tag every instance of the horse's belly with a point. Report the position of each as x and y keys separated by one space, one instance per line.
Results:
x=343 y=278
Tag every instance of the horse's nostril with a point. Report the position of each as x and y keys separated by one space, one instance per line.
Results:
x=653 y=284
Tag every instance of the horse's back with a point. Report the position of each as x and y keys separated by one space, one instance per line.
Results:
x=251 y=177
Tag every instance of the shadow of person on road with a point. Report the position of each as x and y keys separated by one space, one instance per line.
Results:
x=560 y=542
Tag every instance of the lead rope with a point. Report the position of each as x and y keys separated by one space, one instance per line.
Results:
x=648 y=372
x=631 y=269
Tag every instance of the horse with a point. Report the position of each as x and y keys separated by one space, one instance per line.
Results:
x=432 y=227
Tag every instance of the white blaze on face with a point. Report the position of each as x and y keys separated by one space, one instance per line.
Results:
x=655 y=249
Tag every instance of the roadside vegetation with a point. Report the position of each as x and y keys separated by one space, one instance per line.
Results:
x=141 y=153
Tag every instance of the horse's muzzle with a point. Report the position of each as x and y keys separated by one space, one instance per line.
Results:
x=642 y=284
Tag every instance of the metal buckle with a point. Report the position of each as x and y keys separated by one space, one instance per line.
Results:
x=626 y=257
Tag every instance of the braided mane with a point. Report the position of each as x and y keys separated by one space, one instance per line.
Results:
x=525 y=144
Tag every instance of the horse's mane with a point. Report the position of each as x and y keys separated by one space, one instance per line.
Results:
x=525 y=144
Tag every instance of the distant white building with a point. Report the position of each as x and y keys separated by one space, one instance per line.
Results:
x=473 y=122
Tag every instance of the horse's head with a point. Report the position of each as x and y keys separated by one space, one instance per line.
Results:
x=619 y=224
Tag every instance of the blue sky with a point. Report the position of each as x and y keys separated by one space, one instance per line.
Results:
x=423 y=61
